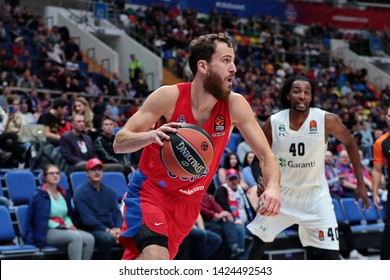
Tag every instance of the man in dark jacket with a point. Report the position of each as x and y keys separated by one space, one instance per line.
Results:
x=105 y=151
x=76 y=145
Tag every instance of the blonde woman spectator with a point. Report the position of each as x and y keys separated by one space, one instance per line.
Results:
x=81 y=106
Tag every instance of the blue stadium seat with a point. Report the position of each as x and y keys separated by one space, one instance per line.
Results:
x=63 y=181
x=77 y=178
x=21 y=217
x=356 y=218
x=116 y=129
x=117 y=182
x=21 y=185
x=7 y=234
x=234 y=140
x=338 y=210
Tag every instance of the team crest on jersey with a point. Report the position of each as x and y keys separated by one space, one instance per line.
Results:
x=282 y=130
x=181 y=118
x=219 y=126
x=321 y=235
x=313 y=126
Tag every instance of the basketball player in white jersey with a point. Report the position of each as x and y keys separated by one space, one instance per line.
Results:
x=298 y=137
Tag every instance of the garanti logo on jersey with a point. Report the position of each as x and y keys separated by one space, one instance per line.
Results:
x=313 y=127
x=219 y=126
x=282 y=130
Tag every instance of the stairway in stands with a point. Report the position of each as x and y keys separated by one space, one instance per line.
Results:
x=169 y=78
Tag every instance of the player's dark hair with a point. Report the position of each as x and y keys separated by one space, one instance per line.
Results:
x=286 y=89
x=204 y=47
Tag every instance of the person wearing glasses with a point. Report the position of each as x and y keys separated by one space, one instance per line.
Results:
x=97 y=210
x=49 y=219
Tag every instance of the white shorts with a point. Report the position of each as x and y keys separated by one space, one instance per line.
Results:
x=315 y=217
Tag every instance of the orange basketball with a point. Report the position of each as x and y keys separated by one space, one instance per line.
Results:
x=189 y=152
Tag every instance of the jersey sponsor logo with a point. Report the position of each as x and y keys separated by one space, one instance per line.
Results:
x=321 y=235
x=192 y=191
x=219 y=123
x=181 y=118
x=283 y=163
x=282 y=130
x=313 y=126
x=218 y=134
x=192 y=179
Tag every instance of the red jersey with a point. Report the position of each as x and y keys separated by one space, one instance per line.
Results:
x=217 y=126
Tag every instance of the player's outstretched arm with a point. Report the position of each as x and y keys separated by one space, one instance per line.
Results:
x=242 y=116
x=335 y=127
x=138 y=132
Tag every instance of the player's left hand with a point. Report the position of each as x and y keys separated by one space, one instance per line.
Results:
x=361 y=193
x=270 y=201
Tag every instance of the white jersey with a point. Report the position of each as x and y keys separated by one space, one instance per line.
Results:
x=304 y=192
x=300 y=153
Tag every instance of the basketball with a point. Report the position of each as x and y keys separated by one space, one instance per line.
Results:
x=189 y=152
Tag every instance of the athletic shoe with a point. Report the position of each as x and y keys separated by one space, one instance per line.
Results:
x=355 y=255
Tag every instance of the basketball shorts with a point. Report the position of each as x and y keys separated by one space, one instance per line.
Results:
x=163 y=212
x=314 y=215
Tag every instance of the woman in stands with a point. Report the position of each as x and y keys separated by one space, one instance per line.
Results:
x=230 y=161
x=81 y=106
x=49 y=219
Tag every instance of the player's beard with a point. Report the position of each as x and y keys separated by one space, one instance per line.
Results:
x=213 y=84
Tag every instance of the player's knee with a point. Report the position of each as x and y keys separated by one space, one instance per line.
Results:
x=154 y=252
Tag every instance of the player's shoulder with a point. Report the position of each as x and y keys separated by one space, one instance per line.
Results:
x=165 y=93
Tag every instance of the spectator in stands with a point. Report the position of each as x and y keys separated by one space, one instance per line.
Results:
x=55 y=54
x=76 y=145
x=242 y=150
x=91 y=88
x=230 y=161
x=248 y=178
x=49 y=219
x=97 y=210
x=140 y=85
x=104 y=149
x=346 y=174
x=26 y=81
x=113 y=108
x=206 y=242
x=221 y=221
x=9 y=141
x=72 y=68
x=54 y=36
x=333 y=176
x=232 y=198
x=54 y=120
x=3 y=32
x=71 y=48
x=26 y=113
x=134 y=64
x=81 y=106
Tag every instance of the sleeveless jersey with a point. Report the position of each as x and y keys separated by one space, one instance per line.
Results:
x=300 y=153
x=218 y=126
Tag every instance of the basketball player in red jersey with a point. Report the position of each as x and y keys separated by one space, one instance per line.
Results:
x=161 y=208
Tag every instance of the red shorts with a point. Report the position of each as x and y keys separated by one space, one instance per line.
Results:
x=169 y=213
